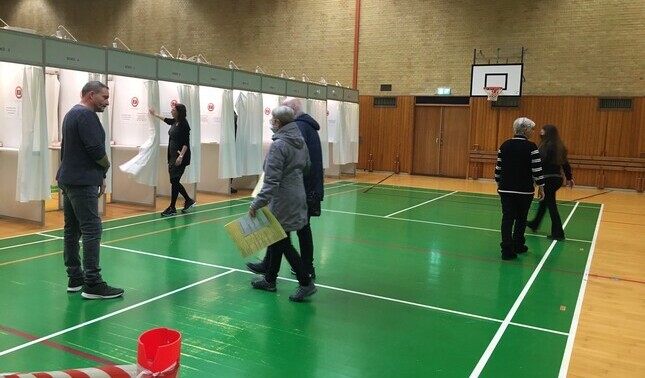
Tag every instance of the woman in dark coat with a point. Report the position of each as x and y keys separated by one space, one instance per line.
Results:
x=553 y=153
x=178 y=156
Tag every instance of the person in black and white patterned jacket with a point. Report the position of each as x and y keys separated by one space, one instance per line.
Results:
x=517 y=172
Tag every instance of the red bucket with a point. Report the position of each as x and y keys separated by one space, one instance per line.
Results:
x=158 y=353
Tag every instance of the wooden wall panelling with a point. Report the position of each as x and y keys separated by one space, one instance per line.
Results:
x=639 y=119
x=386 y=132
x=622 y=133
x=367 y=131
x=454 y=147
x=427 y=128
x=483 y=125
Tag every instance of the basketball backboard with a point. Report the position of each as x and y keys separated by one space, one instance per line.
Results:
x=506 y=76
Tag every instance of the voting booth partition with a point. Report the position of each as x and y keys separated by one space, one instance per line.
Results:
x=229 y=113
x=342 y=123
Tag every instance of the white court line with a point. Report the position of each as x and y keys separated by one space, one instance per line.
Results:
x=440 y=309
x=507 y=320
x=231 y=270
x=576 y=314
x=421 y=204
x=53 y=237
x=44 y=338
x=30 y=243
x=441 y=224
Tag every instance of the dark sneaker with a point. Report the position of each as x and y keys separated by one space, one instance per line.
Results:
x=101 y=291
x=233 y=190
x=509 y=256
x=263 y=284
x=258 y=268
x=303 y=292
x=558 y=238
x=74 y=284
x=312 y=273
x=189 y=204
x=521 y=249
x=169 y=212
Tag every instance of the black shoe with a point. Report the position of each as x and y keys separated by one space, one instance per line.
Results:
x=233 y=190
x=263 y=284
x=188 y=205
x=303 y=292
x=169 y=212
x=521 y=249
x=101 y=291
x=258 y=268
x=509 y=256
x=74 y=284
x=532 y=226
x=558 y=238
x=312 y=273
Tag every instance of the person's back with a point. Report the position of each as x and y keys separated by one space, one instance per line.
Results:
x=517 y=159
x=313 y=179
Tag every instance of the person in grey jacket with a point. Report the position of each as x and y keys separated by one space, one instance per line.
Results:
x=284 y=192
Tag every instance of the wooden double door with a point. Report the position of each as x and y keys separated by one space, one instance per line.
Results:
x=440 y=146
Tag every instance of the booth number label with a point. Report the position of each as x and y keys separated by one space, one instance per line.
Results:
x=130 y=67
x=5 y=49
x=73 y=59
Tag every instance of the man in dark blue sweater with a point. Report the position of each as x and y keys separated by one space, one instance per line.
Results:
x=517 y=171
x=81 y=177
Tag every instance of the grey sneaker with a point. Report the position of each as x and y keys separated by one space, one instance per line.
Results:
x=263 y=284
x=188 y=205
x=101 y=291
x=257 y=268
x=303 y=292
x=169 y=212
x=74 y=285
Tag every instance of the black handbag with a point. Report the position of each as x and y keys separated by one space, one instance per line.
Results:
x=313 y=204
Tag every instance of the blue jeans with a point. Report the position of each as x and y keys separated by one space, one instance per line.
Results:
x=81 y=210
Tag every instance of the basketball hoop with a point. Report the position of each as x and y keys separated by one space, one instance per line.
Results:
x=493 y=92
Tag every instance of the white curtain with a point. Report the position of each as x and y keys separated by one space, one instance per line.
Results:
x=249 y=133
x=227 y=165
x=189 y=96
x=317 y=109
x=52 y=90
x=143 y=167
x=351 y=124
x=33 y=155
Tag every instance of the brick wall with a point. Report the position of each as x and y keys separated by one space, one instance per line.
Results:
x=574 y=47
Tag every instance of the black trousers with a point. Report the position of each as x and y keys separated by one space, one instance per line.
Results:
x=274 y=259
x=551 y=186
x=306 y=243
x=515 y=209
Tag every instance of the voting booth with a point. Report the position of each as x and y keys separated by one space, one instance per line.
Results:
x=24 y=140
x=217 y=119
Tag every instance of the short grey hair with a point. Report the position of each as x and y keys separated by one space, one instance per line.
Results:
x=92 y=86
x=284 y=114
x=293 y=103
x=522 y=125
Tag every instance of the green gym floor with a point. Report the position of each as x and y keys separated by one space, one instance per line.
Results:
x=410 y=284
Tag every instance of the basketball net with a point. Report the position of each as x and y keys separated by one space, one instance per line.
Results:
x=493 y=92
